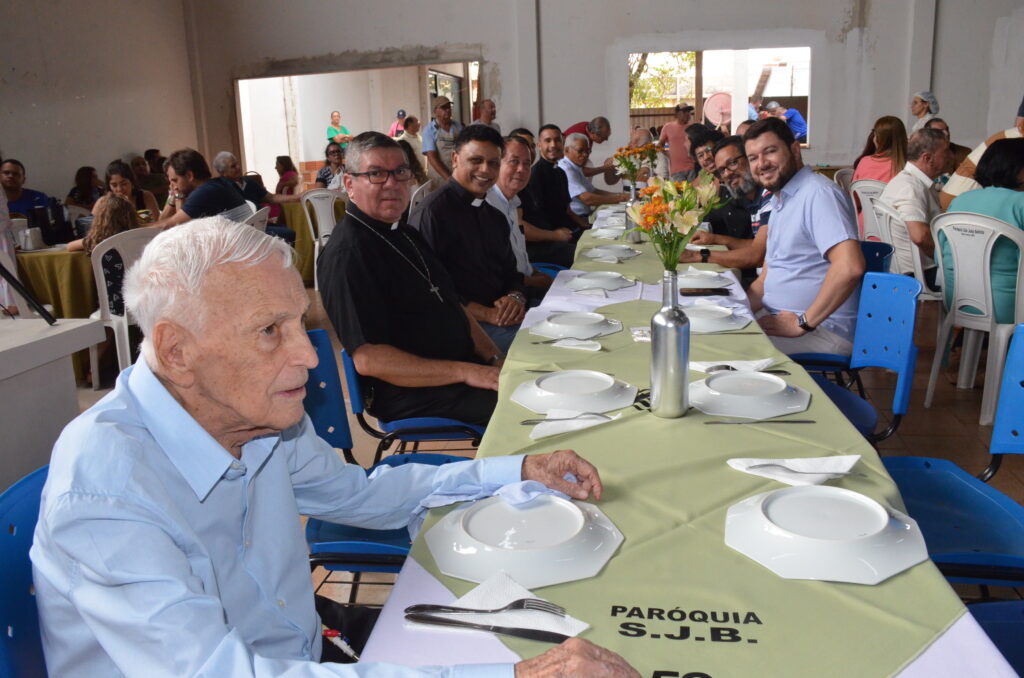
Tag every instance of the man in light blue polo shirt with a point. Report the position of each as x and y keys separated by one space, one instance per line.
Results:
x=808 y=291
x=583 y=196
x=439 y=141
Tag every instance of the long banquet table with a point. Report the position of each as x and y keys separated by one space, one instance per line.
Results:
x=667 y=488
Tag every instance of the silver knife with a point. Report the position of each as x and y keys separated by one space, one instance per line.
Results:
x=529 y=634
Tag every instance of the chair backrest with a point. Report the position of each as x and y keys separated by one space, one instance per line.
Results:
x=355 y=391
x=884 y=216
x=877 y=255
x=418 y=195
x=21 y=651
x=888 y=221
x=325 y=401
x=863 y=189
x=75 y=212
x=885 y=330
x=8 y=262
x=970 y=238
x=319 y=206
x=240 y=213
x=129 y=245
x=844 y=178
x=1008 y=432
x=259 y=219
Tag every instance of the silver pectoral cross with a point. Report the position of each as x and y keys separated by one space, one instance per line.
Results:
x=437 y=290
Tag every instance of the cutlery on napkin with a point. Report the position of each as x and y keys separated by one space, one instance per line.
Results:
x=581 y=344
x=740 y=365
x=806 y=470
x=497 y=591
x=568 y=420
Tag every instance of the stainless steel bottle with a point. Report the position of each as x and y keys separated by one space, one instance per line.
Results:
x=670 y=354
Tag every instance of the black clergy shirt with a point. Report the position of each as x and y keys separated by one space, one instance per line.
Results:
x=374 y=296
x=546 y=198
x=470 y=237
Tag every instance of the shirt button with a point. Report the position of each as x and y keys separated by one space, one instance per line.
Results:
x=235 y=465
x=248 y=543
x=280 y=603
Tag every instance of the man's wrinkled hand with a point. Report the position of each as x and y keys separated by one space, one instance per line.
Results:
x=575 y=658
x=551 y=468
x=508 y=311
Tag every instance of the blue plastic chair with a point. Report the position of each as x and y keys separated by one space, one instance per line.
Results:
x=325 y=401
x=1003 y=622
x=21 y=651
x=974 y=532
x=550 y=269
x=411 y=431
x=338 y=547
x=884 y=338
x=877 y=256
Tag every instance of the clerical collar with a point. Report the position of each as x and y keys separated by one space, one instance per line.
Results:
x=368 y=220
x=465 y=195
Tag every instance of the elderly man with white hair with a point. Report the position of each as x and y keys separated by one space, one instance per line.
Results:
x=169 y=541
x=582 y=194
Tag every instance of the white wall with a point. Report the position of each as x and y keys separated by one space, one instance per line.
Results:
x=262 y=106
x=86 y=82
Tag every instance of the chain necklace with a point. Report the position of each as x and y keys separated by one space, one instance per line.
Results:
x=425 y=273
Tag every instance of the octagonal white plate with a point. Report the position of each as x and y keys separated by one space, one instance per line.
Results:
x=824 y=532
x=748 y=395
x=708 y=318
x=620 y=251
x=605 y=280
x=546 y=541
x=703 y=280
x=580 y=390
x=576 y=325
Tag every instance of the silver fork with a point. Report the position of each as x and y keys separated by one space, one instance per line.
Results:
x=815 y=473
x=532 y=422
x=551 y=341
x=521 y=604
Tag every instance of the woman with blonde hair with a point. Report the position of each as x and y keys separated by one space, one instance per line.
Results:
x=885 y=152
x=113 y=215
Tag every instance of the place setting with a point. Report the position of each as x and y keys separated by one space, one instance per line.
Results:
x=611 y=254
x=710 y=317
x=599 y=283
x=575 y=329
x=748 y=394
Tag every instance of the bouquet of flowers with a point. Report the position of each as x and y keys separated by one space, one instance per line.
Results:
x=629 y=161
x=670 y=211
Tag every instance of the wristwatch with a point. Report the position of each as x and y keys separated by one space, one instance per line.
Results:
x=804 y=325
x=705 y=254
x=518 y=296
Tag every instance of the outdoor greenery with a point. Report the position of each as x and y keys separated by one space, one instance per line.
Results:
x=654 y=79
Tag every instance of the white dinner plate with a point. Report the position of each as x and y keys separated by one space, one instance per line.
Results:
x=702 y=279
x=605 y=280
x=576 y=325
x=619 y=251
x=580 y=390
x=824 y=532
x=708 y=318
x=747 y=395
x=546 y=541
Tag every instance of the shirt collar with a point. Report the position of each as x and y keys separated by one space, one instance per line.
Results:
x=915 y=171
x=498 y=199
x=375 y=224
x=792 y=186
x=464 y=195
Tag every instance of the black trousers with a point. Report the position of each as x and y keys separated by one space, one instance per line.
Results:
x=454 y=401
x=561 y=253
x=353 y=622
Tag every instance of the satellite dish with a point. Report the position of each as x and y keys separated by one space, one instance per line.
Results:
x=718 y=108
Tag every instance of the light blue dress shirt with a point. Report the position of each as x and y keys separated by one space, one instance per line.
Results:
x=158 y=554
x=578 y=183
x=810 y=215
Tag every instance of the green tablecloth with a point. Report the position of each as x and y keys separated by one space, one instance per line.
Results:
x=667 y=487
x=65 y=281
x=297 y=219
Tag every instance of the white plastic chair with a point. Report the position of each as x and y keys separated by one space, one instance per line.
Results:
x=19 y=301
x=129 y=245
x=970 y=240
x=889 y=219
x=418 y=195
x=259 y=219
x=844 y=178
x=322 y=202
x=241 y=213
x=865 y=189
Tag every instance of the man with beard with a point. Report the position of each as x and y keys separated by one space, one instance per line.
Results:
x=807 y=293
x=550 y=227
x=740 y=224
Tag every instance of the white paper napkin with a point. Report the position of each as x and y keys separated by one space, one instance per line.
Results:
x=695 y=272
x=581 y=344
x=609 y=259
x=550 y=428
x=593 y=292
x=497 y=591
x=740 y=365
x=823 y=468
x=607 y=233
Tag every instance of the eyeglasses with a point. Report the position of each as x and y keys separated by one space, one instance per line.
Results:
x=333 y=152
x=380 y=176
x=731 y=165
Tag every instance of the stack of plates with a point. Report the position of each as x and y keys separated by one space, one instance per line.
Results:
x=546 y=541
x=748 y=395
x=706 y=318
x=605 y=280
x=824 y=532
x=576 y=325
x=578 y=390
x=617 y=251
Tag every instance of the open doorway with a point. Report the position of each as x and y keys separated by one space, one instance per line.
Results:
x=290 y=115
x=725 y=86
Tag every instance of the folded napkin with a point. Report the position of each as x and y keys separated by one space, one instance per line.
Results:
x=740 y=365
x=695 y=272
x=607 y=233
x=550 y=428
x=581 y=344
x=497 y=591
x=824 y=468
x=593 y=292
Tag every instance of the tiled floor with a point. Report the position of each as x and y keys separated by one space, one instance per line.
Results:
x=949 y=429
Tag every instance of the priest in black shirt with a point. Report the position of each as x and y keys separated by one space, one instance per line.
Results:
x=550 y=227
x=394 y=305
x=470 y=236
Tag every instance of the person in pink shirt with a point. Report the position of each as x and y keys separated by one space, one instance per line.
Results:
x=681 y=164
x=883 y=157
